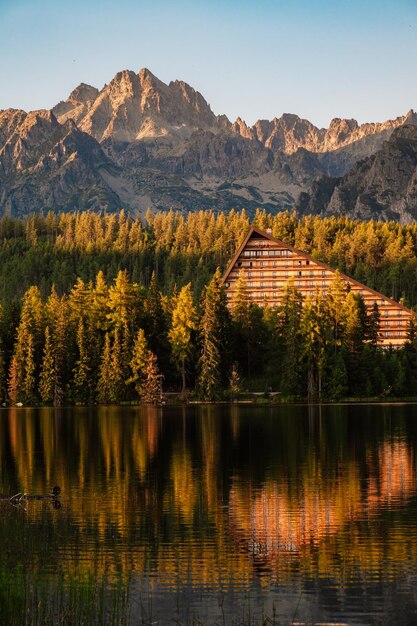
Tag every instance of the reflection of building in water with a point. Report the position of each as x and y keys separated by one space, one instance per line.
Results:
x=271 y=521
x=159 y=494
x=268 y=264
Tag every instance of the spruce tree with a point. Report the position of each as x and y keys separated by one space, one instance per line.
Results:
x=47 y=378
x=184 y=323
x=139 y=360
x=316 y=334
x=82 y=383
x=118 y=369
x=241 y=323
x=215 y=338
x=289 y=327
x=105 y=386
x=151 y=386
x=374 y=321
x=156 y=325
x=21 y=384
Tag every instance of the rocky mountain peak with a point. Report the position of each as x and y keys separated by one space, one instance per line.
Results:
x=83 y=94
x=241 y=128
x=136 y=107
x=411 y=118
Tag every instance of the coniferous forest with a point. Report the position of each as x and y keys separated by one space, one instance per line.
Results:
x=106 y=308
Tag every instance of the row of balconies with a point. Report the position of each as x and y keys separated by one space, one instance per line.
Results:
x=370 y=299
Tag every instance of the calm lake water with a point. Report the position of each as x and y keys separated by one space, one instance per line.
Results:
x=212 y=515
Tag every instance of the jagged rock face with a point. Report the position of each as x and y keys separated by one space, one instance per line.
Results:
x=78 y=104
x=289 y=133
x=46 y=165
x=383 y=186
x=136 y=106
x=204 y=154
x=140 y=143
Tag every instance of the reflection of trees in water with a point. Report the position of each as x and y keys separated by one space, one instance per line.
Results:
x=211 y=492
x=273 y=524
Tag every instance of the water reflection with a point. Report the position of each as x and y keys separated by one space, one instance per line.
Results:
x=256 y=500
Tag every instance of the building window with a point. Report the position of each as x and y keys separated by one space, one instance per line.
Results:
x=323 y=272
x=299 y=273
x=261 y=263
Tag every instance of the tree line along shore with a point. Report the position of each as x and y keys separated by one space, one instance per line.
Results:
x=110 y=309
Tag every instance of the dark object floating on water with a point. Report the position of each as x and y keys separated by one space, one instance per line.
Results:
x=21 y=497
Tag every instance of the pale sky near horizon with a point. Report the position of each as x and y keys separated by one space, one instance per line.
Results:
x=316 y=58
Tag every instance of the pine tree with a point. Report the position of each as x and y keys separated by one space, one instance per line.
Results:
x=156 y=325
x=241 y=323
x=80 y=300
x=124 y=301
x=47 y=378
x=289 y=329
x=118 y=369
x=374 y=321
x=98 y=305
x=354 y=341
x=61 y=335
x=105 y=386
x=139 y=360
x=214 y=326
x=184 y=323
x=150 y=390
x=336 y=297
x=21 y=386
x=316 y=339
x=82 y=383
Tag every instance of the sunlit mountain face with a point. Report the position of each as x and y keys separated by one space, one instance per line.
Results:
x=139 y=143
x=314 y=507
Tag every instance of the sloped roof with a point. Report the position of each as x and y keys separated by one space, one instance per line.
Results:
x=263 y=234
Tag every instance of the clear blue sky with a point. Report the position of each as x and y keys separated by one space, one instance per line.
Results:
x=317 y=58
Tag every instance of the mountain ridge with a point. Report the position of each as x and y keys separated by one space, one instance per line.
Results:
x=141 y=143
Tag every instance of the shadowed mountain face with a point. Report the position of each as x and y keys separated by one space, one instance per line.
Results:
x=139 y=143
x=382 y=186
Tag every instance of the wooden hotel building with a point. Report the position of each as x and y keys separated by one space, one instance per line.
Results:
x=268 y=264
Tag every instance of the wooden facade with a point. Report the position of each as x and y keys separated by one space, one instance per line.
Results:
x=268 y=264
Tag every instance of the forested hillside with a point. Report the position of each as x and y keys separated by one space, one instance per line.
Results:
x=57 y=249
x=107 y=309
